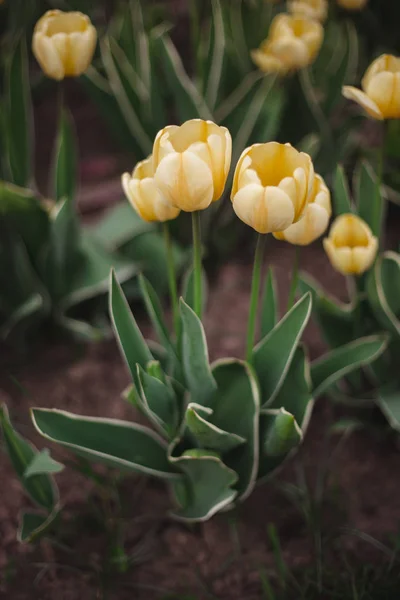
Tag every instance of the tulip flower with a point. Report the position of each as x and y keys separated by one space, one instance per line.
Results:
x=352 y=4
x=292 y=44
x=143 y=194
x=191 y=163
x=272 y=185
x=310 y=9
x=350 y=246
x=64 y=43
x=380 y=97
x=315 y=220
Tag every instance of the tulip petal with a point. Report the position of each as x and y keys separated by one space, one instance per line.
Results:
x=363 y=257
x=47 y=56
x=370 y=107
x=308 y=229
x=266 y=209
x=384 y=90
x=186 y=181
x=81 y=50
x=340 y=258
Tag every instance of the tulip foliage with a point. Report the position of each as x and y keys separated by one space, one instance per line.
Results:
x=374 y=308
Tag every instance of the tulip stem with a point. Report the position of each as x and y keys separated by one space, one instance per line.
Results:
x=295 y=278
x=173 y=290
x=255 y=292
x=196 y=229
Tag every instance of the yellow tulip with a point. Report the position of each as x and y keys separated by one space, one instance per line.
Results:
x=191 y=163
x=352 y=4
x=310 y=9
x=350 y=246
x=380 y=97
x=64 y=43
x=315 y=220
x=271 y=186
x=143 y=194
x=292 y=43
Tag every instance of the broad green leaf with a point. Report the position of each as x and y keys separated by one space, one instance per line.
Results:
x=188 y=101
x=389 y=402
x=119 y=444
x=282 y=433
x=341 y=193
x=273 y=354
x=269 y=314
x=368 y=198
x=206 y=488
x=40 y=488
x=217 y=50
x=159 y=403
x=65 y=159
x=318 y=118
x=383 y=288
x=42 y=463
x=236 y=98
x=208 y=435
x=18 y=115
x=199 y=379
x=34 y=525
x=119 y=225
x=236 y=407
x=132 y=344
x=334 y=365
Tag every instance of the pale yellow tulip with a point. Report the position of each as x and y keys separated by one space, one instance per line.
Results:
x=381 y=85
x=310 y=9
x=272 y=185
x=292 y=44
x=351 y=247
x=64 y=43
x=191 y=163
x=315 y=220
x=352 y=4
x=144 y=196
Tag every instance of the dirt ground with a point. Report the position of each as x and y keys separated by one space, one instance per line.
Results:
x=219 y=559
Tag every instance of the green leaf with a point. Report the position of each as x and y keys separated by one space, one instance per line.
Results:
x=282 y=433
x=188 y=101
x=273 y=354
x=34 y=525
x=207 y=487
x=269 y=314
x=383 y=288
x=199 y=379
x=119 y=444
x=389 y=402
x=208 y=435
x=18 y=115
x=367 y=196
x=40 y=488
x=217 y=51
x=188 y=288
x=132 y=344
x=43 y=463
x=341 y=193
x=65 y=159
x=158 y=402
x=334 y=365
x=236 y=407
x=119 y=225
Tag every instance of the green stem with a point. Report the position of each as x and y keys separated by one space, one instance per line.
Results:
x=295 y=278
x=173 y=290
x=378 y=204
x=255 y=292
x=196 y=229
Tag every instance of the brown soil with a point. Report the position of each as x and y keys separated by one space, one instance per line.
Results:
x=219 y=559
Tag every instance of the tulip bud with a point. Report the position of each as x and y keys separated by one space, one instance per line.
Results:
x=191 y=163
x=271 y=186
x=64 y=43
x=350 y=246
x=352 y=4
x=142 y=192
x=309 y=9
x=381 y=84
x=315 y=220
x=292 y=44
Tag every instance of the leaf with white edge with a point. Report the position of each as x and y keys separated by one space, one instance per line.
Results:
x=132 y=344
x=389 y=402
x=216 y=54
x=119 y=225
x=383 y=289
x=367 y=196
x=282 y=433
x=273 y=354
x=207 y=487
x=40 y=488
x=208 y=435
x=119 y=444
x=199 y=378
x=65 y=159
x=341 y=194
x=43 y=463
x=34 y=525
x=236 y=407
x=269 y=314
x=158 y=402
x=334 y=365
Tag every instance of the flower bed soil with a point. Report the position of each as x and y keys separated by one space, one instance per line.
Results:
x=223 y=557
